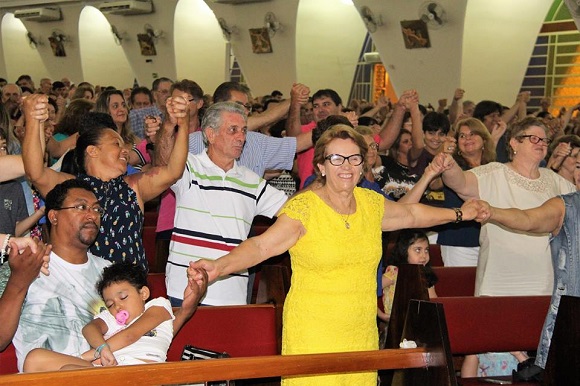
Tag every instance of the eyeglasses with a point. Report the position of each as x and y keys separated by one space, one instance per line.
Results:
x=535 y=139
x=247 y=106
x=84 y=208
x=374 y=146
x=337 y=159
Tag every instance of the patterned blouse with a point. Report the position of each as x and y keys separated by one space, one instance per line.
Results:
x=120 y=235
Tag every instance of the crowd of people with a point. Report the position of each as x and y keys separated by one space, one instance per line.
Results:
x=79 y=163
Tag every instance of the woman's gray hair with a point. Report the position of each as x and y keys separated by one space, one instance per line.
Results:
x=213 y=117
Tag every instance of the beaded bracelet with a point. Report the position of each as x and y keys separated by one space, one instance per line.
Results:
x=458 y=215
x=4 y=250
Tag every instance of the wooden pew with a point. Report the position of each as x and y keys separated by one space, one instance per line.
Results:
x=455 y=281
x=474 y=324
x=494 y=323
x=156 y=284
x=428 y=363
x=411 y=284
x=8 y=361
x=149 y=247
x=241 y=331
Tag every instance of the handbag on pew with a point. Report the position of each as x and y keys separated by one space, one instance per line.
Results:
x=192 y=353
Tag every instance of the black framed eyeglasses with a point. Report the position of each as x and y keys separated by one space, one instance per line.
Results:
x=535 y=139
x=247 y=106
x=337 y=159
x=84 y=208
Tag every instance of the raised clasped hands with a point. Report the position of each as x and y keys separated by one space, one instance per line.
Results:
x=178 y=111
x=299 y=94
x=35 y=107
x=437 y=166
x=408 y=99
x=443 y=161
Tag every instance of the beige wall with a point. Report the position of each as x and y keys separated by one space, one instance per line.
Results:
x=497 y=46
x=200 y=49
x=484 y=48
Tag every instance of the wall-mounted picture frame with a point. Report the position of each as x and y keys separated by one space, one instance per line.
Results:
x=57 y=46
x=260 y=40
x=415 y=34
x=146 y=44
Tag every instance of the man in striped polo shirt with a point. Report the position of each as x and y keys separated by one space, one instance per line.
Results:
x=217 y=199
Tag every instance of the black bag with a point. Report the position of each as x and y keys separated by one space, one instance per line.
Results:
x=192 y=353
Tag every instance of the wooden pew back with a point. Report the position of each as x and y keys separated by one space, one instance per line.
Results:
x=411 y=284
x=494 y=324
x=241 y=331
x=8 y=360
x=455 y=281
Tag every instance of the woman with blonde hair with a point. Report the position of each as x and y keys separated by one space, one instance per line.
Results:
x=475 y=147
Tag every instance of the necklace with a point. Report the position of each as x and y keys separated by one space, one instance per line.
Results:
x=342 y=216
x=346 y=223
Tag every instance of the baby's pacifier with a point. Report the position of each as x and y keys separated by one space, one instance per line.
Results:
x=122 y=317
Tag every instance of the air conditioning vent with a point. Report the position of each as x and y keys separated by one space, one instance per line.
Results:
x=129 y=7
x=371 y=57
x=38 y=14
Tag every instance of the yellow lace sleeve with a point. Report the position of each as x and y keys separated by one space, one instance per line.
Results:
x=298 y=207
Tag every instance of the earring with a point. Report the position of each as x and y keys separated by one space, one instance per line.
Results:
x=515 y=152
x=323 y=174
x=361 y=173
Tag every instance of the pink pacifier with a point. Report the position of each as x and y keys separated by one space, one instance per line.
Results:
x=122 y=317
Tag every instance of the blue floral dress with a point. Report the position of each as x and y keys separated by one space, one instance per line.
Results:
x=120 y=235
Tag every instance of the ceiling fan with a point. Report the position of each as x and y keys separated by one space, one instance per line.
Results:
x=433 y=14
x=371 y=21
x=272 y=24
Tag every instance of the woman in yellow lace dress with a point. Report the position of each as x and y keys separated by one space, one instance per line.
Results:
x=333 y=233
